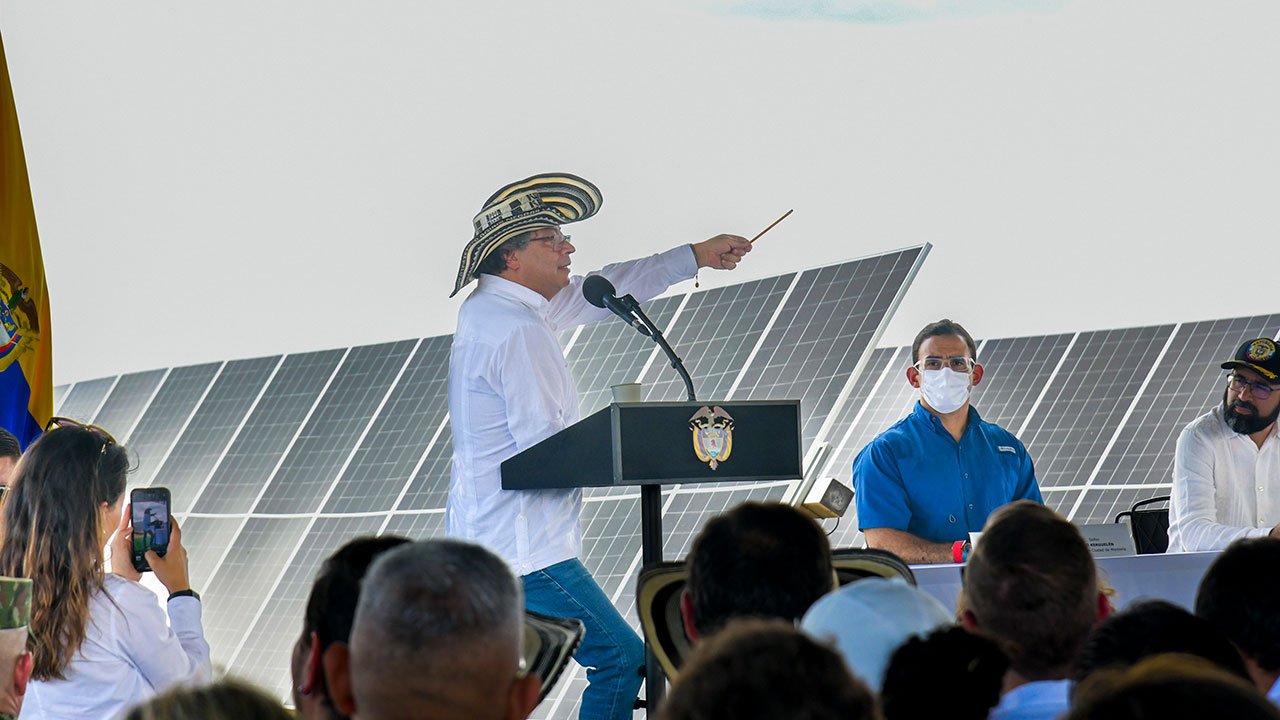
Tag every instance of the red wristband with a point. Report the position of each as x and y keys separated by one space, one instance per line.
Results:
x=957 y=551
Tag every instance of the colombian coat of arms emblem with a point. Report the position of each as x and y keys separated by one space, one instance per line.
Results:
x=712 y=435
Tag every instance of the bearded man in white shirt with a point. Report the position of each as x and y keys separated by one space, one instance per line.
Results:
x=1226 y=469
x=510 y=388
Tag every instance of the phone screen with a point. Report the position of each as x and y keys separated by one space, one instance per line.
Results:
x=150 y=519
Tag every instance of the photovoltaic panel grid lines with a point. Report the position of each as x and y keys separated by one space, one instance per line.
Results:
x=274 y=462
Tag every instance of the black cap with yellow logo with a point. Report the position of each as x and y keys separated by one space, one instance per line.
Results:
x=1258 y=355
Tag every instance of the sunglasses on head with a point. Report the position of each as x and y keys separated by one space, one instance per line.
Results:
x=61 y=422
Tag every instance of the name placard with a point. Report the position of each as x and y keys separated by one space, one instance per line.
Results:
x=1109 y=539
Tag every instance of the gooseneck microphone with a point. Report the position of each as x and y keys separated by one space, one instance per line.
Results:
x=600 y=292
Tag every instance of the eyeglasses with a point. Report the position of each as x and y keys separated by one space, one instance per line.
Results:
x=1259 y=390
x=557 y=241
x=101 y=433
x=958 y=363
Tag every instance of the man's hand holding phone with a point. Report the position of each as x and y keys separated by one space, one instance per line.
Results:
x=171 y=568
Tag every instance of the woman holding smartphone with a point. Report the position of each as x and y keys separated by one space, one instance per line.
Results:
x=100 y=640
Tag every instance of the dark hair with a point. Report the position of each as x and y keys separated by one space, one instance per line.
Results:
x=226 y=700
x=52 y=535
x=1240 y=595
x=1032 y=588
x=950 y=673
x=1154 y=627
x=331 y=607
x=495 y=263
x=9 y=445
x=1169 y=687
x=943 y=328
x=758 y=559
x=767 y=669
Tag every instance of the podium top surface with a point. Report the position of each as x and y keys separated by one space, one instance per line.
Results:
x=666 y=442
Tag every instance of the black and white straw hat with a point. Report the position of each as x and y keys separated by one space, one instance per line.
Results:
x=545 y=200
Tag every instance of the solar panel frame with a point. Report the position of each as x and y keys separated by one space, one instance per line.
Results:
x=339 y=420
x=129 y=397
x=270 y=431
x=85 y=398
x=166 y=415
x=188 y=465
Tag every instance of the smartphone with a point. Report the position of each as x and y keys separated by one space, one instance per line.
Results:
x=151 y=526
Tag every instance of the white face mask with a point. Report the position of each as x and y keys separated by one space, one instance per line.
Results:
x=944 y=390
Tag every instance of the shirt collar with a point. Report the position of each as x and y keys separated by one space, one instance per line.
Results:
x=923 y=415
x=1040 y=693
x=503 y=287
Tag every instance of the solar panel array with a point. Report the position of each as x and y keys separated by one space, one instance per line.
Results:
x=274 y=462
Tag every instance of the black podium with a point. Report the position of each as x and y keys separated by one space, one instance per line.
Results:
x=652 y=444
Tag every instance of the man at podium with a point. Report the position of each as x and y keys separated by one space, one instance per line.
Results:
x=510 y=388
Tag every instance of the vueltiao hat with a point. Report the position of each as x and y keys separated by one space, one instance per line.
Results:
x=546 y=200
x=1259 y=356
x=15 y=602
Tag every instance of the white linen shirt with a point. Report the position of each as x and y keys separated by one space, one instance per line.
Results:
x=1224 y=486
x=129 y=654
x=510 y=388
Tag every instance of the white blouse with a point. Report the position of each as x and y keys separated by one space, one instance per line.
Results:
x=129 y=654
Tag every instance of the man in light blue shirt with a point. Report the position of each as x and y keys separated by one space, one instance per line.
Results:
x=927 y=482
x=1032 y=588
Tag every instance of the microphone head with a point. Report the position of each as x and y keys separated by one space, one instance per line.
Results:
x=595 y=288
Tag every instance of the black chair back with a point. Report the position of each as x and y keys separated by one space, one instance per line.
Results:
x=1150 y=527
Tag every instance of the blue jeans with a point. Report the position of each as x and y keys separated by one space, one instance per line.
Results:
x=611 y=651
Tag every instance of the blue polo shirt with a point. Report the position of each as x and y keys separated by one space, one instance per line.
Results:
x=915 y=477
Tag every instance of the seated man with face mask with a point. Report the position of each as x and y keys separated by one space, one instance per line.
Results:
x=924 y=484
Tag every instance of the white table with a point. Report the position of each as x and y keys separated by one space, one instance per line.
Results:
x=1174 y=577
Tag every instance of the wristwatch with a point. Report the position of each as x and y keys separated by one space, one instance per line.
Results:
x=185 y=593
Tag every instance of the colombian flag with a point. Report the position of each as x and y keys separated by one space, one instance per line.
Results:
x=26 y=356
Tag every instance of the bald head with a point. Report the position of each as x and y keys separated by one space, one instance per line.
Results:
x=437 y=633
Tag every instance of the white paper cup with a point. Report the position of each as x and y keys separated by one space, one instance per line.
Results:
x=626 y=392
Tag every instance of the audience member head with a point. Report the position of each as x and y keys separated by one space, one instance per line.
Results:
x=757 y=560
x=437 y=633
x=951 y=673
x=225 y=700
x=1240 y=595
x=1169 y=687
x=1031 y=586
x=757 y=668
x=870 y=618
x=15 y=659
x=326 y=627
x=63 y=503
x=1151 y=628
x=10 y=453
